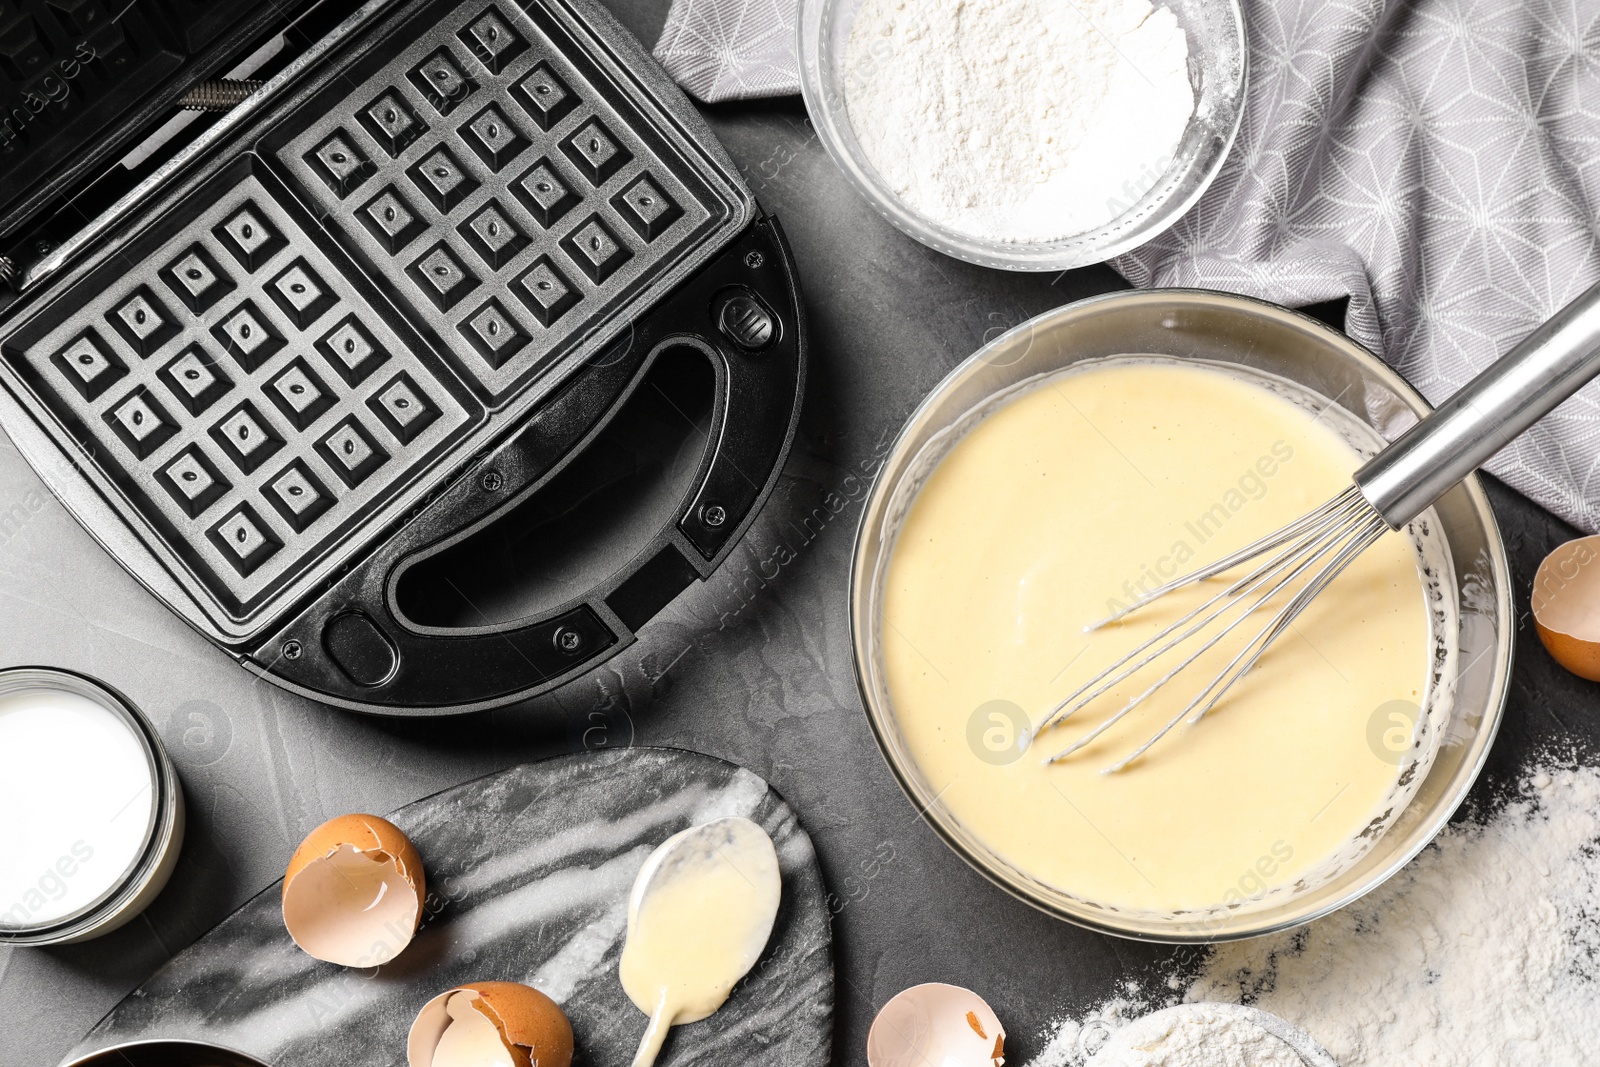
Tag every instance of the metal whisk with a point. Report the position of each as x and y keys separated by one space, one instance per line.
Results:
x=1393 y=488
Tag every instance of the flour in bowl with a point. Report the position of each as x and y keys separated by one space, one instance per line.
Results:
x=1207 y=1035
x=1020 y=121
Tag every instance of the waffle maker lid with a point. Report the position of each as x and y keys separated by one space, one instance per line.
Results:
x=81 y=80
x=380 y=308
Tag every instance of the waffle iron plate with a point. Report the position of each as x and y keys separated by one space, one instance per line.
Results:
x=381 y=308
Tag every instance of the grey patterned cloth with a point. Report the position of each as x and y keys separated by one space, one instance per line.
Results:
x=1438 y=162
x=731 y=49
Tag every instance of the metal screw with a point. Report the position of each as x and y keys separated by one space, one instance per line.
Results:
x=567 y=640
x=713 y=515
x=754 y=259
x=44 y=247
x=492 y=481
x=291 y=650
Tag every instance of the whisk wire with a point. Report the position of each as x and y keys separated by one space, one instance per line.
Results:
x=1218 y=687
x=1361 y=539
x=1322 y=545
x=1113 y=675
x=1335 y=534
x=1340 y=506
x=1106 y=680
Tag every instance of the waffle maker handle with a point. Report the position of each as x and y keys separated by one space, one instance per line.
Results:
x=352 y=648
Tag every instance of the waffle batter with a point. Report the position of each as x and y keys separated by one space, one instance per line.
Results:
x=1073 y=499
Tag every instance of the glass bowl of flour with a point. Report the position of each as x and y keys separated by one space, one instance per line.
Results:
x=1026 y=134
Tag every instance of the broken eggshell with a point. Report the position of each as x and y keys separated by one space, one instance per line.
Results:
x=936 y=1025
x=353 y=892
x=490 y=1024
x=1566 y=606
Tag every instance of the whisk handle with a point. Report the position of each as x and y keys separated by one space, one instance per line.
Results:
x=1513 y=393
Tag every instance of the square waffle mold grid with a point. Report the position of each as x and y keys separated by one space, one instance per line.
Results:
x=387 y=268
x=239 y=389
x=513 y=206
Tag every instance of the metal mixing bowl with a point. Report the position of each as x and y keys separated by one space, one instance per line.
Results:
x=1218 y=62
x=1262 y=337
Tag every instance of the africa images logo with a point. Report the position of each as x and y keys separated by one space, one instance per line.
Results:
x=55 y=89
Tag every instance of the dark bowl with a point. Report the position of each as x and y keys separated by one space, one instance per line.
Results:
x=167 y=1054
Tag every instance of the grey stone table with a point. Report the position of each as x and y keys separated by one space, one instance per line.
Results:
x=753 y=667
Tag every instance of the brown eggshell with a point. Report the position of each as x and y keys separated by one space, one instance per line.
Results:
x=533 y=1027
x=1566 y=606
x=365 y=832
x=323 y=917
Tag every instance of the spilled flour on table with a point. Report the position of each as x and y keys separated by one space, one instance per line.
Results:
x=1484 y=950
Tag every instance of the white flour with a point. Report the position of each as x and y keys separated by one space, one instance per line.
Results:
x=1484 y=950
x=1018 y=120
x=1203 y=1037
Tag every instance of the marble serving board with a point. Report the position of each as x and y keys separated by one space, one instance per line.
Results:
x=528 y=874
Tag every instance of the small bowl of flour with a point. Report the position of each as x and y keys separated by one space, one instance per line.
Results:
x=1210 y=1035
x=1026 y=134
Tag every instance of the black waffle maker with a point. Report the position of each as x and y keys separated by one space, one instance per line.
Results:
x=425 y=377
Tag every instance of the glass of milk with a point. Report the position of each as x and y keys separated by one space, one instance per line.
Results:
x=91 y=812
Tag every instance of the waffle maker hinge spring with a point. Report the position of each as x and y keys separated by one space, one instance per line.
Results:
x=219 y=95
